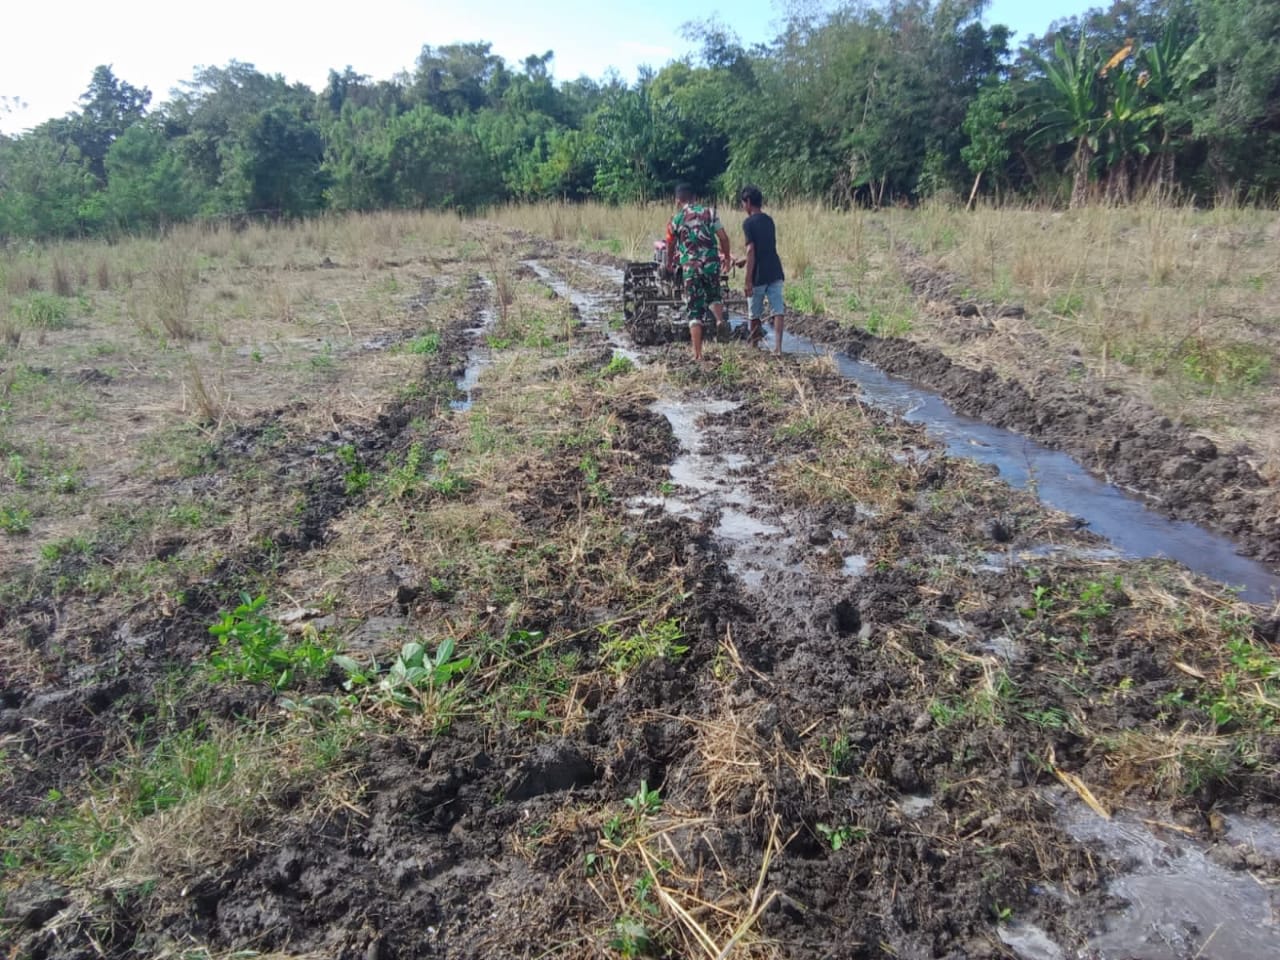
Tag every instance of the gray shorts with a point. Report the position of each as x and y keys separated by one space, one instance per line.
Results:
x=774 y=293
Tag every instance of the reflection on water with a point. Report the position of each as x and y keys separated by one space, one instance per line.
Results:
x=1059 y=481
x=1181 y=904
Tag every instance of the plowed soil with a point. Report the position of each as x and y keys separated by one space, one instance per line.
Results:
x=826 y=699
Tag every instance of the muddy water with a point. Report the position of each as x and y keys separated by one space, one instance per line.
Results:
x=478 y=357
x=1181 y=903
x=1058 y=480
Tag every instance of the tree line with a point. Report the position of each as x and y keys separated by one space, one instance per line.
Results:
x=866 y=104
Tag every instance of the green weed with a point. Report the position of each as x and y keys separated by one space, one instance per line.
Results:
x=254 y=648
x=444 y=480
x=891 y=324
x=66 y=548
x=1224 y=366
x=803 y=296
x=358 y=477
x=428 y=343
x=617 y=366
x=179 y=767
x=14 y=519
x=623 y=652
x=1068 y=304
x=43 y=311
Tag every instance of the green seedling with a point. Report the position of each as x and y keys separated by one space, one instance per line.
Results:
x=646 y=802
x=403 y=480
x=630 y=938
x=839 y=753
x=840 y=836
x=421 y=681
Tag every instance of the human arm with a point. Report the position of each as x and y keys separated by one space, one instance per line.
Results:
x=726 y=257
x=750 y=268
x=669 y=264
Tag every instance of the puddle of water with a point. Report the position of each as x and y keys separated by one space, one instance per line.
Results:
x=999 y=562
x=757 y=550
x=1029 y=942
x=913 y=806
x=478 y=357
x=1006 y=648
x=856 y=565
x=736 y=527
x=1059 y=481
x=1180 y=903
x=1254 y=834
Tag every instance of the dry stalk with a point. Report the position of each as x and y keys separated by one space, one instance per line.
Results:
x=209 y=403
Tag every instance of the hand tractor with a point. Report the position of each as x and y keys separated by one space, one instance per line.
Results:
x=653 y=303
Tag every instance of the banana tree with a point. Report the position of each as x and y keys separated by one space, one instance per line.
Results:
x=1068 y=108
x=1172 y=67
x=1126 y=129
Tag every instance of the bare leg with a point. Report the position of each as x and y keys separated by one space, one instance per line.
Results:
x=695 y=334
x=777 y=335
x=718 y=310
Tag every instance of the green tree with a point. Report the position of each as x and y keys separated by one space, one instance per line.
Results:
x=110 y=107
x=1239 y=117
x=458 y=78
x=986 y=124
x=211 y=116
x=1172 y=71
x=148 y=185
x=46 y=190
x=276 y=165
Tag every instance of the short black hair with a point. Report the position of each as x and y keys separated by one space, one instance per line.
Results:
x=684 y=191
x=752 y=195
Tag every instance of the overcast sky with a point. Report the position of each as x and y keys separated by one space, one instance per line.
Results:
x=50 y=48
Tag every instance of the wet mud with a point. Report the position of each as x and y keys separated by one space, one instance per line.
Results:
x=863 y=750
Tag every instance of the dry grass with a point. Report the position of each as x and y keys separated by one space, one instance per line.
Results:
x=174 y=278
x=846 y=458
x=208 y=401
x=661 y=895
x=1174 y=304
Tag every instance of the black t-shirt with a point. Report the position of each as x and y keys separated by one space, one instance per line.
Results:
x=758 y=229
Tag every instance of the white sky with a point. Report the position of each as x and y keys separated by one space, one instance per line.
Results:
x=49 y=49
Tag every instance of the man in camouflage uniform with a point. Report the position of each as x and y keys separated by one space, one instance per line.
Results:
x=692 y=238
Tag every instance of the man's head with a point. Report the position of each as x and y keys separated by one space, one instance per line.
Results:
x=752 y=197
x=684 y=193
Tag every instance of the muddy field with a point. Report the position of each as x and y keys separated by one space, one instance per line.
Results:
x=527 y=642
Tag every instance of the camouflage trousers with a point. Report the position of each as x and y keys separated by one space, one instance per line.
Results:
x=702 y=290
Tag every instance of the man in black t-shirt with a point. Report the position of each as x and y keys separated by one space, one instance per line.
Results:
x=764 y=268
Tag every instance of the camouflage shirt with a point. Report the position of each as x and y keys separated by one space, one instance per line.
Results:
x=695 y=228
